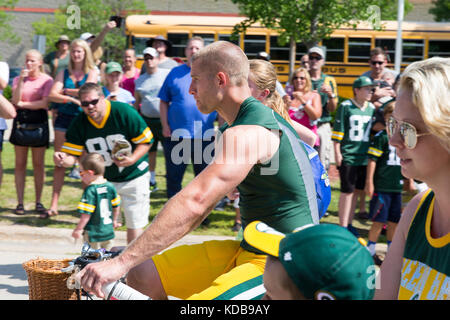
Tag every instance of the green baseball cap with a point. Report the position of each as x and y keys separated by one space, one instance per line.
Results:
x=325 y=261
x=112 y=67
x=363 y=81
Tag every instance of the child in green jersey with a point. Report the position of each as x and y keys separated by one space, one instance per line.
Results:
x=384 y=185
x=350 y=135
x=99 y=205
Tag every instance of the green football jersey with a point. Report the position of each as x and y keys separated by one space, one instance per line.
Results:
x=120 y=122
x=425 y=273
x=352 y=129
x=281 y=192
x=388 y=176
x=98 y=200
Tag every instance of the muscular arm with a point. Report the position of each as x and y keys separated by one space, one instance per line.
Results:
x=188 y=208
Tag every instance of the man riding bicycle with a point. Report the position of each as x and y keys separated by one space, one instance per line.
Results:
x=258 y=152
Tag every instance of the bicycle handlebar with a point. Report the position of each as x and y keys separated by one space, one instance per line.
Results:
x=113 y=291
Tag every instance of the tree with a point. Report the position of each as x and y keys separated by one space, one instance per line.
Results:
x=7 y=34
x=310 y=21
x=441 y=10
x=79 y=16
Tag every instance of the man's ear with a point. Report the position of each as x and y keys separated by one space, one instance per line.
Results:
x=222 y=78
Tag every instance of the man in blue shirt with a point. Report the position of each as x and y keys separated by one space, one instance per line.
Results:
x=187 y=132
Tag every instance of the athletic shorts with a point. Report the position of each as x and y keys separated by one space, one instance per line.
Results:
x=135 y=200
x=63 y=121
x=385 y=206
x=108 y=244
x=156 y=128
x=352 y=177
x=212 y=270
x=2 y=136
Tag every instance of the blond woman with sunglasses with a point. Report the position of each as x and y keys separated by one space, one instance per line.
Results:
x=417 y=264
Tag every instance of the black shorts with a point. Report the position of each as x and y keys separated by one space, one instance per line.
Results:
x=352 y=177
x=386 y=206
x=156 y=128
x=63 y=121
x=2 y=135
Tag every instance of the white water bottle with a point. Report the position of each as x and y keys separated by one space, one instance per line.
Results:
x=120 y=291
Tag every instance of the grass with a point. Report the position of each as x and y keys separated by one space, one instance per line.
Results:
x=221 y=222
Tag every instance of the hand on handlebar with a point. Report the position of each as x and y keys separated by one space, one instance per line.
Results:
x=95 y=275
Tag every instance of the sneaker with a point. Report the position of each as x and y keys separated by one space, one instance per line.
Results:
x=377 y=260
x=205 y=222
x=153 y=187
x=363 y=215
x=236 y=227
x=220 y=206
x=75 y=173
x=353 y=230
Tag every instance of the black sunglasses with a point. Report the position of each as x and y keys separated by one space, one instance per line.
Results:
x=148 y=57
x=377 y=62
x=315 y=57
x=87 y=103
x=299 y=78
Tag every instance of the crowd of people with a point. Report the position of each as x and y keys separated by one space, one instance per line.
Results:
x=379 y=141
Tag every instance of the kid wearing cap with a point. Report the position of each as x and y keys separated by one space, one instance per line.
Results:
x=320 y=262
x=112 y=90
x=351 y=141
x=384 y=185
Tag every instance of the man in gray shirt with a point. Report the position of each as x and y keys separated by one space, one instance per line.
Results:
x=147 y=103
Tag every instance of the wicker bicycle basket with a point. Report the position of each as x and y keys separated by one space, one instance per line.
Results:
x=46 y=281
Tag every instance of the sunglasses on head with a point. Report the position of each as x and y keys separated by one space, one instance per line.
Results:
x=407 y=131
x=315 y=57
x=87 y=103
x=376 y=62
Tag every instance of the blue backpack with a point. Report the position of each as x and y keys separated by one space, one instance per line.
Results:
x=321 y=180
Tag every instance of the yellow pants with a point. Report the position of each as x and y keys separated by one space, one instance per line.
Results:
x=211 y=270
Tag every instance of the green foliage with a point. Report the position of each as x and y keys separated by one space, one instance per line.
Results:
x=94 y=14
x=441 y=10
x=310 y=21
x=7 y=34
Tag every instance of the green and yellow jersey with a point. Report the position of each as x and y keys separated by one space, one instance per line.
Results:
x=98 y=200
x=351 y=129
x=388 y=176
x=121 y=121
x=425 y=272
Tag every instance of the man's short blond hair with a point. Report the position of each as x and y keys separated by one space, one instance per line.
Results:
x=224 y=56
x=429 y=84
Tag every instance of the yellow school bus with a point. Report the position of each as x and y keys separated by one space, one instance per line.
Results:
x=347 y=50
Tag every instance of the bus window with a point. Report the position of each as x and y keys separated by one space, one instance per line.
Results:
x=335 y=49
x=388 y=45
x=358 y=49
x=278 y=52
x=300 y=51
x=227 y=37
x=254 y=44
x=179 y=42
x=208 y=38
x=412 y=50
x=440 y=48
x=139 y=44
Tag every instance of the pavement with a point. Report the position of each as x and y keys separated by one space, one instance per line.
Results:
x=21 y=243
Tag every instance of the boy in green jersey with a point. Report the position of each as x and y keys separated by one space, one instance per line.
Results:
x=384 y=185
x=99 y=205
x=351 y=141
